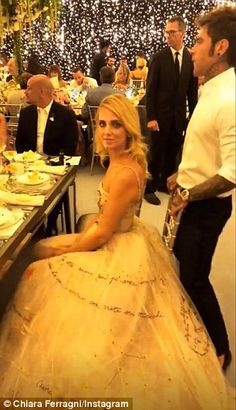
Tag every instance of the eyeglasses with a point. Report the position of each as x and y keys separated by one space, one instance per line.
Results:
x=171 y=32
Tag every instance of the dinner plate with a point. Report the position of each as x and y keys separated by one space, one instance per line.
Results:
x=10 y=155
x=33 y=178
x=29 y=156
x=9 y=228
x=5 y=215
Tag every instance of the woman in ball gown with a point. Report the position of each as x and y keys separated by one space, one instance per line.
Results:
x=103 y=314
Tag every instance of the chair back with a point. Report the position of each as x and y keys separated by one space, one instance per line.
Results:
x=142 y=112
x=139 y=84
x=92 y=114
x=171 y=226
x=12 y=113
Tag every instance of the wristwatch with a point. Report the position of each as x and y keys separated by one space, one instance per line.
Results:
x=184 y=194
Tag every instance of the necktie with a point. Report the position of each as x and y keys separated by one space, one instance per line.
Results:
x=177 y=65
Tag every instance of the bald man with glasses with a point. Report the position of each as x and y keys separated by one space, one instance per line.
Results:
x=170 y=84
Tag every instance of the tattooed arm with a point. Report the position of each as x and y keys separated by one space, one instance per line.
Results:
x=210 y=188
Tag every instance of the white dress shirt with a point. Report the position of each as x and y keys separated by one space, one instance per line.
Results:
x=209 y=147
x=42 y=122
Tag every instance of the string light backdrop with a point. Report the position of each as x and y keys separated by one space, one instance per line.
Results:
x=130 y=25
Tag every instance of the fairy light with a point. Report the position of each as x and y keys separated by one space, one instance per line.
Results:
x=130 y=25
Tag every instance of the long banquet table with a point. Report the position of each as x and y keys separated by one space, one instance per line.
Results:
x=36 y=216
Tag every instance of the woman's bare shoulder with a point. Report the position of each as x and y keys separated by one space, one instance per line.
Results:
x=124 y=171
x=130 y=170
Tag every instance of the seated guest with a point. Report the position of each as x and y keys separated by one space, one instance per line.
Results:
x=12 y=70
x=54 y=73
x=81 y=82
x=111 y=61
x=34 y=66
x=95 y=96
x=141 y=70
x=45 y=126
x=18 y=96
x=48 y=128
x=123 y=61
x=139 y=54
x=3 y=66
x=122 y=78
x=16 y=99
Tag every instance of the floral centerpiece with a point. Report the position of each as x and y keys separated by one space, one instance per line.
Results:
x=16 y=14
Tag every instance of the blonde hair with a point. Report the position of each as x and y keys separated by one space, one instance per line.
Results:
x=125 y=69
x=141 y=62
x=128 y=116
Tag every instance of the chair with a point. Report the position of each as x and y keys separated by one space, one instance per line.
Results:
x=142 y=112
x=171 y=226
x=139 y=84
x=12 y=113
x=92 y=115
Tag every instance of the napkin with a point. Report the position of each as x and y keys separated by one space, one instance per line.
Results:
x=73 y=160
x=8 y=231
x=33 y=189
x=50 y=169
x=21 y=199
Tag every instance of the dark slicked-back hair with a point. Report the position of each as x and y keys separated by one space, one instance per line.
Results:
x=23 y=79
x=179 y=20
x=77 y=68
x=104 y=43
x=221 y=24
x=107 y=75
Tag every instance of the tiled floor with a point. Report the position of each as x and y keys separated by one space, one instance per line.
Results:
x=223 y=266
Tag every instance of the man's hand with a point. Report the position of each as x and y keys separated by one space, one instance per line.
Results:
x=153 y=125
x=177 y=203
x=172 y=182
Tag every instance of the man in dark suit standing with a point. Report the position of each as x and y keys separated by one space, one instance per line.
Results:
x=170 y=83
x=45 y=126
x=100 y=60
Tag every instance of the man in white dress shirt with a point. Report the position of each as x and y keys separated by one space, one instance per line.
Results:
x=206 y=175
x=80 y=82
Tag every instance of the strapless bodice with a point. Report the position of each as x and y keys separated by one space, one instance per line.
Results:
x=127 y=220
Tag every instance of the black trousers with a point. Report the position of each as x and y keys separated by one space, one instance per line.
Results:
x=165 y=146
x=200 y=226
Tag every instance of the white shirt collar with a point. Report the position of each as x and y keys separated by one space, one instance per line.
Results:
x=179 y=51
x=47 y=108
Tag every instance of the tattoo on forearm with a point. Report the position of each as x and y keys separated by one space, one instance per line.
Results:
x=211 y=188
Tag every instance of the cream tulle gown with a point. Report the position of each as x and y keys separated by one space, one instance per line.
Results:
x=110 y=323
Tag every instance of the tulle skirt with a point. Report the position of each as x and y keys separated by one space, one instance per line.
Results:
x=115 y=322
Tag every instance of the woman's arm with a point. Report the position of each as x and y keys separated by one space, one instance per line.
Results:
x=123 y=192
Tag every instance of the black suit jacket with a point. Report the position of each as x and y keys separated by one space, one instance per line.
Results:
x=166 y=101
x=99 y=61
x=61 y=132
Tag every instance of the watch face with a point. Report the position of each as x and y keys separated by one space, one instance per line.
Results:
x=185 y=194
